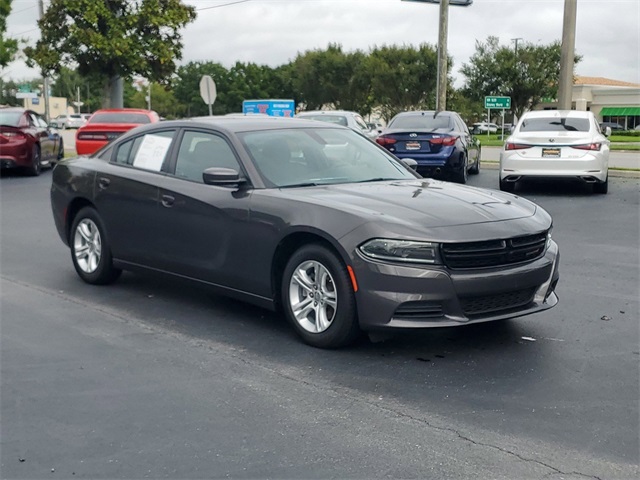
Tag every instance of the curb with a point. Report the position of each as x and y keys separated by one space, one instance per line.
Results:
x=489 y=165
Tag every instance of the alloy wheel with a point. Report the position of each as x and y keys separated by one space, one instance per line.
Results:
x=87 y=245
x=313 y=297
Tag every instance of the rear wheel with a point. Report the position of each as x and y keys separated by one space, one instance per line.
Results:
x=318 y=299
x=601 y=187
x=475 y=170
x=507 y=186
x=90 y=251
x=462 y=175
x=36 y=161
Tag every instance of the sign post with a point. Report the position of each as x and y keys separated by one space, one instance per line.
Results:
x=503 y=103
x=208 y=91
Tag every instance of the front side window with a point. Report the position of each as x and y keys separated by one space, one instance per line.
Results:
x=199 y=151
x=147 y=152
x=361 y=123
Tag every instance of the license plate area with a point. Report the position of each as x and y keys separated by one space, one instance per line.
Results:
x=550 y=153
x=412 y=145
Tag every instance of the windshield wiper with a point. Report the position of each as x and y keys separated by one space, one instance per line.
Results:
x=378 y=179
x=294 y=185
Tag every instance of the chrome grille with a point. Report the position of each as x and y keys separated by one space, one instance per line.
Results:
x=494 y=253
x=480 y=305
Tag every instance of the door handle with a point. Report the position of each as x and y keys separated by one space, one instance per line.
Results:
x=103 y=183
x=167 y=201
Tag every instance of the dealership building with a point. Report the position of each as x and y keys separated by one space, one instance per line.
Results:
x=609 y=100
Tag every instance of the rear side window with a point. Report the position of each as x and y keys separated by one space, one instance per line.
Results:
x=555 y=124
x=147 y=152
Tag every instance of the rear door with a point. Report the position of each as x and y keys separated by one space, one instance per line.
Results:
x=126 y=196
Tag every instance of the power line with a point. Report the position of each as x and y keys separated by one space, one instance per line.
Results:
x=221 y=5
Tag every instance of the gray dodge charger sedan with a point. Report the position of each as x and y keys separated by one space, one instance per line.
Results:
x=307 y=218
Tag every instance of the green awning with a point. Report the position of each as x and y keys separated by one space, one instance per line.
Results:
x=620 y=111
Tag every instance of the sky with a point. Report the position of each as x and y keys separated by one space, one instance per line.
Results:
x=273 y=32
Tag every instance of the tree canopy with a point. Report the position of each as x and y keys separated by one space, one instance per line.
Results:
x=8 y=46
x=527 y=76
x=112 y=38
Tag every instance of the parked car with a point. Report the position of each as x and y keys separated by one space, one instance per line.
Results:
x=440 y=142
x=107 y=125
x=306 y=217
x=74 y=120
x=612 y=125
x=86 y=116
x=484 y=127
x=556 y=143
x=27 y=142
x=352 y=120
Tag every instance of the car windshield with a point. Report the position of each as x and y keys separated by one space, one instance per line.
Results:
x=555 y=124
x=305 y=157
x=427 y=122
x=76 y=116
x=339 y=119
x=119 y=117
x=10 y=118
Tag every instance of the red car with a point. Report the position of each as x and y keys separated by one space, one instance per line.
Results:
x=107 y=125
x=27 y=142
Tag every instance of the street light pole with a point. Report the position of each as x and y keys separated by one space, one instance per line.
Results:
x=567 y=54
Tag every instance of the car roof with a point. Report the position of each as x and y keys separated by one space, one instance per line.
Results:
x=243 y=124
x=15 y=109
x=557 y=113
x=326 y=112
x=124 y=110
x=424 y=112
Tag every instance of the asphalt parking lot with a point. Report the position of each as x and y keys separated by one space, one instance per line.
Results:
x=153 y=378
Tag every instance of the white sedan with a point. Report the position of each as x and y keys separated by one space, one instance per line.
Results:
x=556 y=143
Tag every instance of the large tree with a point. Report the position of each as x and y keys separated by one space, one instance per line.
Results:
x=112 y=38
x=8 y=46
x=527 y=75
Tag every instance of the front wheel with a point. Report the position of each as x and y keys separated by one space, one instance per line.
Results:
x=90 y=251
x=318 y=298
x=61 y=149
x=475 y=170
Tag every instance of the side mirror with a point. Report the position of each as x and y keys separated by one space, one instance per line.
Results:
x=222 y=176
x=410 y=163
x=607 y=131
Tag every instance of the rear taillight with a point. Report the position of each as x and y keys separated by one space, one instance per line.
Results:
x=91 y=136
x=591 y=146
x=12 y=134
x=384 y=141
x=515 y=146
x=445 y=141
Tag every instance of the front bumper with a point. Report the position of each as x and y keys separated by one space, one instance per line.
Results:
x=392 y=296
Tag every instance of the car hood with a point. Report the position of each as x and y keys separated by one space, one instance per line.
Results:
x=424 y=202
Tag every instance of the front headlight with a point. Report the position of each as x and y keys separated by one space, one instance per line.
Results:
x=401 y=251
x=548 y=238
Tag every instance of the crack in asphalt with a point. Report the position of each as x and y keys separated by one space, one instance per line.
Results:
x=237 y=355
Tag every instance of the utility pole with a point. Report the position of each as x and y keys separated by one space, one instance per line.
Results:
x=516 y=40
x=441 y=88
x=45 y=80
x=567 y=55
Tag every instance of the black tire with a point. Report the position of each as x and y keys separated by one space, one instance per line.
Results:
x=36 y=161
x=61 y=150
x=462 y=175
x=104 y=272
x=601 y=187
x=507 y=186
x=343 y=326
x=475 y=170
